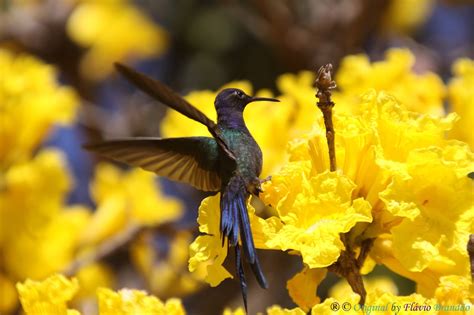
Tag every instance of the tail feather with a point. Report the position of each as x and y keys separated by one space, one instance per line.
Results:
x=240 y=273
x=235 y=221
x=257 y=271
x=229 y=219
x=245 y=232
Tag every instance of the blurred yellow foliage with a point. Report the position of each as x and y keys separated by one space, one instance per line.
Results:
x=422 y=93
x=113 y=30
x=403 y=16
x=461 y=99
x=31 y=101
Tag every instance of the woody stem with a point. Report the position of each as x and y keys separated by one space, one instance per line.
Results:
x=325 y=84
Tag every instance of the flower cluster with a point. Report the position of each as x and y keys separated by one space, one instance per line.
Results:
x=51 y=297
x=36 y=223
x=401 y=184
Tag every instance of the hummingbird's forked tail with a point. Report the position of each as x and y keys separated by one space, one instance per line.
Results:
x=235 y=221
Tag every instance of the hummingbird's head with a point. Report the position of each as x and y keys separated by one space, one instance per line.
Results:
x=236 y=99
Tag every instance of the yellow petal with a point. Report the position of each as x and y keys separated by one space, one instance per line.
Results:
x=9 y=299
x=278 y=310
x=441 y=200
x=302 y=287
x=128 y=302
x=206 y=256
x=314 y=212
x=454 y=291
x=47 y=297
x=421 y=93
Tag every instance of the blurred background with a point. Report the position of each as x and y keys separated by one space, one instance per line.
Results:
x=199 y=45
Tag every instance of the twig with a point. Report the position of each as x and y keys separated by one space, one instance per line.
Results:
x=325 y=84
x=365 y=248
x=347 y=266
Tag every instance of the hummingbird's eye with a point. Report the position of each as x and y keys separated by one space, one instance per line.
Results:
x=239 y=94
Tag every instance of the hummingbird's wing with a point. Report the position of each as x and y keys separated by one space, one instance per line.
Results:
x=167 y=96
x=192 y=160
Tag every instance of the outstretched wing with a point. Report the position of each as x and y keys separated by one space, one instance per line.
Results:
x=192 y=160
x=164 y=94
x=170 y=98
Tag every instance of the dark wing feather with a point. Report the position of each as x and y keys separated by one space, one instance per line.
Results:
x=167 y=96
x=164 y=94
x=192 y=160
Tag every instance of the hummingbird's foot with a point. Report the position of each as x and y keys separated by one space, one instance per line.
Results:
x=266 y=179
x=255 y=186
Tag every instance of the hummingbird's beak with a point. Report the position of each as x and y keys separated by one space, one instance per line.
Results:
x=263 y=99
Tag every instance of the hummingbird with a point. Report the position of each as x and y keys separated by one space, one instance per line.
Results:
x=229 y=162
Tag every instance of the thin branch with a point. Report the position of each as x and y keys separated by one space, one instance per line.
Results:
x=325 y=84
x=104 y=249
x=365 y=248
x=347 y=266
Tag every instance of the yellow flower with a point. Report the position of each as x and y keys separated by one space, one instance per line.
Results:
x=129 y=302
x=48 y=297
x=207 y=253
x=384 y=151
x=31 y=101
x=436 y=200
x=167 y=275
x=314 y=211
x=400 y=131
x=35 y=225
x=461 y=99
x=420 y=93
x=126 y=199
x=112 y=31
